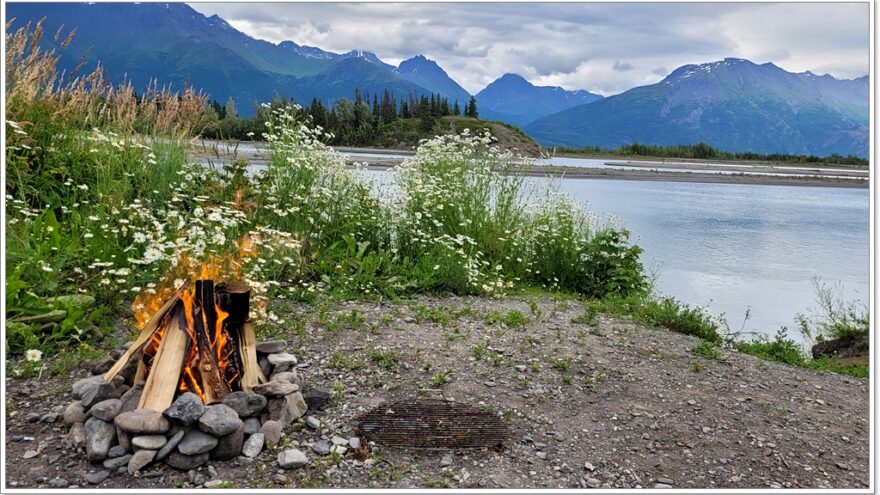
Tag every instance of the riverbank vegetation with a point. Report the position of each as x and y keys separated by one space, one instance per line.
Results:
x=702 y=151
x=103 y=210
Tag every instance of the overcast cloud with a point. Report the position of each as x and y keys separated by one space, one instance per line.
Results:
x=604 y=48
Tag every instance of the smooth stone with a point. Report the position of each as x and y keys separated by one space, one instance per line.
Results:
x=338 y=449
x=49 y=417
x=229 y=446
x=315 y=398
x=245 y=403
x=446 y=461
x=292 y=458
x=281 y=361
x=100 y=436
x=131 y=398
x=186 y=462
x=124 y=439
x=271 y=346
x=665 y=481
x=251 y=425
x=196 y=442
x=74 y=413
x=95 y=478
x=170 y=445
x=265 y=367
x=142 y=421
x=271 y=430
x=186 y=410
x=149 y=442
x=285 y=376
x=253 y=445
x=117 y=451
x=662 y=485
x=77 y=435
x=98 y=394
x=80 y=387
x=106 y=410
x=213 y=483
x=58 y=483
x=276 y=388
x=313 y=422
x=140 y=459
x=354 y=442
x=286 y=409
x=321 y=447
x=117 y=462
x=219 y=420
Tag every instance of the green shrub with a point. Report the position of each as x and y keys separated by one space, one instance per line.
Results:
x=707 y=350
x=781 y=349
x=669 y=313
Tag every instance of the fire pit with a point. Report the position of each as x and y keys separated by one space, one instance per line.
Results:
x=191 y=387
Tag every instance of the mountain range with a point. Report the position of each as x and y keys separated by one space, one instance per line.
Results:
x=732 y=104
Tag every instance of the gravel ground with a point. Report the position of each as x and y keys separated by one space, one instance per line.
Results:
x=589 y=405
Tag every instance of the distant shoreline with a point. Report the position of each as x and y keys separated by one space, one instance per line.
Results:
x=253 y=151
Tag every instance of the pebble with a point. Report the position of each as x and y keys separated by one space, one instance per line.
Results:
x=186 y=410
x=338 y=449
x=316 y=398
x=292 y=458
x=30 y=454
x=131 y=398
x=253 y=445
x=276 y=388
x=321 y=447
x=95 y=478
x=354 y=442
x=271 y=346
x=117 y=462
x=140 y=459
x=196 y=442
x=245 y=403
x=106 y=409
x=251 y=425
x=117 y=451
x=213 y=483
x=186 y=462
x=98 y=394
x=337 y=440
x=58 y=483
x=286 y=409
x=665 y=481
x=219 y=420
x=142 y=421
x=662 y=485
x=80 y=387
x=49 y=417
x=229 y=446
x=170 y=445
x=271 y=430
x=446 y=461
x=281 y=361
x=313 y=422
x=589 y=467
x=99 y=436
x=151 y=442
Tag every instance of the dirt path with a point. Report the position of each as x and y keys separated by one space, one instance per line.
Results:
x=607 y=404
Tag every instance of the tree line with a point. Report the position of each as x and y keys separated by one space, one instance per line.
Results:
x=704 y=151
x=346 y=122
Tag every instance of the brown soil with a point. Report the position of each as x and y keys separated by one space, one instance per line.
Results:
x=608 y=404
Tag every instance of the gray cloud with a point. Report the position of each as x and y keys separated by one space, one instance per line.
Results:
x=622 y=67
x=602 y=47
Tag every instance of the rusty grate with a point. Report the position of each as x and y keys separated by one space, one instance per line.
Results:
x=433 y=424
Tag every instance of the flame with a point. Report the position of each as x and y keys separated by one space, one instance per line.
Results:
x=222 y=347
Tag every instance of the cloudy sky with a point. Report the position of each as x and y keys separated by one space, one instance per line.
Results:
x=605 y=48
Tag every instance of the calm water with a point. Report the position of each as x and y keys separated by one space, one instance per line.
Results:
x=736 y=247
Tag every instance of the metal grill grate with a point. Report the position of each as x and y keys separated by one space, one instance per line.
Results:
x=433 y=424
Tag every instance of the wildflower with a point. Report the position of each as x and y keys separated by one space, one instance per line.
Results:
x=152 y=254
x=33 y=355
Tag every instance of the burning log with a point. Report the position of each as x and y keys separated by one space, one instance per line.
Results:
x=146 y=334
x=199 y=340
x=164 y=375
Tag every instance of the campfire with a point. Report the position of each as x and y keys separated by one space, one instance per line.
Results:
x=200 y=340
x=194 y=385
